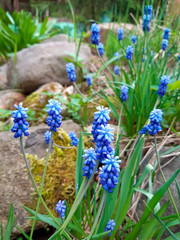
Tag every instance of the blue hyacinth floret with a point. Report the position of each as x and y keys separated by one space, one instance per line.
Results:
x=116 y=69
x=47 y=137
x=103 y=142
x=70 y=69
x=100 y=49
x=116 y=54
x=110 y=226
x=101 y=117
x=124 y=93
x=166 y=34
x=163 y=85
x=155 y=126
x=20 y=124
x=74 y=139
x=120 y=34
x=164 y=44
x=148 y=10
x=95 y=38
x=133 y=39
x=129 y=52
x=89 y=162
x=146 y=22
x=89 y=80
x=109 y=173
x=61 y=208
x=54 y=110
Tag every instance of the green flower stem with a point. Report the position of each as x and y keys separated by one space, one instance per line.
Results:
x=119 y=124
x=87 y=98
x=35 y=186
x=78 y=201
x=42 y=184
x=101 y=207
x=164 y=179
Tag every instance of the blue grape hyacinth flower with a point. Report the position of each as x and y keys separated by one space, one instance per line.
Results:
x=124 y=93
x=47 y=137
x=70 y=69
x=95 y=38
x=146 y=22
x=129 y=52
x=100 y=49
x=110 y=226
x=116 y=69
x=74 y=139
x=133 y=39
x=103 y=142
x=116 y=54
x=163 y=85
x=148 y=10
x=101 y=117
x=89 y=80
x=89 y=162
x=120 y=34
x=164 y=44
x=20 y=124
x=61 y=208
x=155 y=126
x=166 y=34
x=109 y=173
x=55 y=119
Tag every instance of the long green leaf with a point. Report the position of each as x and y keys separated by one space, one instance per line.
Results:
x=157 y=196
x=10 y=223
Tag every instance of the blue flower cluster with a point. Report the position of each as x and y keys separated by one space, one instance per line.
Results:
x=100 y=49
x=164 y=44
x=129 y=52
x=89 y=162
x=47 y=137
x=109 y=173
x=102 y=133
x=89 y=80
x=70 y=69
x=95 y=38
x=61 y=208
x=120 y=34
x=155 y=126
x=20 y=124
x=110 y=226
x=116 y=54
x=163 y=85
x=133 y=39
x=124 y=93
x=103 y=142
x=116 y=69
x=147 y=18
x=166 y=34
x=101 y=117
x=74 y=139
x=54 y=109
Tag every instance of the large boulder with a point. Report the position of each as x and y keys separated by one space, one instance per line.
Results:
x=10 y=97
x=3 y=77
x=43 y=63
x=16 y=186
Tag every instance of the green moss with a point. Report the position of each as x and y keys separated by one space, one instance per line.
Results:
x=60 y=175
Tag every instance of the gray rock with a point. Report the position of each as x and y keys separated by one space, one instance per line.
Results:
x=43 y=63
x=3 y=77
x=57 y=38
x=10 y=97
